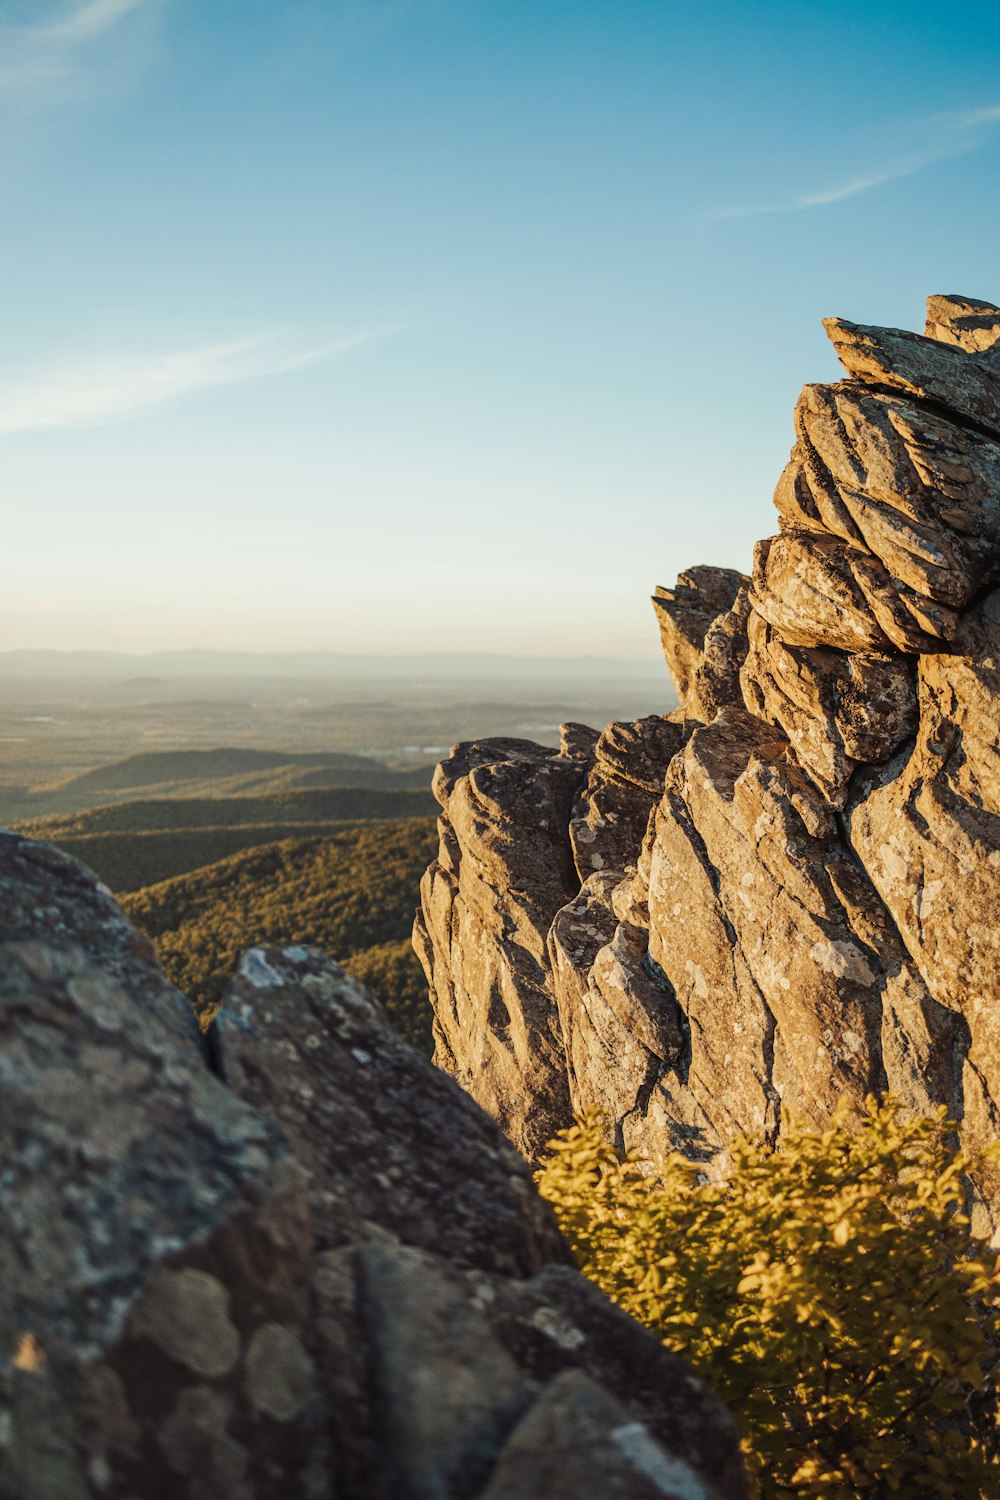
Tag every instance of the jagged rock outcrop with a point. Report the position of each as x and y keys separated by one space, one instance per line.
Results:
x=504 y=869
x=811 y=911
x=295 y=1260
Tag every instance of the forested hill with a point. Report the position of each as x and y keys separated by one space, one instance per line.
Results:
x=135 y=844
x=198 y=774
x=215 y=851
x=351 y=892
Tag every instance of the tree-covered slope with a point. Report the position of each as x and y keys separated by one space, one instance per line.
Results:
x=351 y=892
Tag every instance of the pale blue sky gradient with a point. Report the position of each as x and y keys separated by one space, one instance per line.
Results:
x=391 y=325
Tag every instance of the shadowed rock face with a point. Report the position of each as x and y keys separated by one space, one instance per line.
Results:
x=300 y=1262
x=447 y=1310
x=155 y=1262
x=810 y=909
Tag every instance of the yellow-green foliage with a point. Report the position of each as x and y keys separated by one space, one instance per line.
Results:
x=830 y=1292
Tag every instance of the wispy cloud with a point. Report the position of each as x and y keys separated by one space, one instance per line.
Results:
x=949 y=135
x=33 y=57
x=90 y=395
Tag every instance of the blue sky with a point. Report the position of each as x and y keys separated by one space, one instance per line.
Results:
x=390 y=325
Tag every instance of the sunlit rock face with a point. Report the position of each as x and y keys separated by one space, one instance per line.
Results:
x=811 y=909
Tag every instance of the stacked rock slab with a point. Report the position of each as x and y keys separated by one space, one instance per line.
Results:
x=811 y=912
x=298 y=1262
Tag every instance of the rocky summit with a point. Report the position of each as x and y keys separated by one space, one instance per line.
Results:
x=785 y=893
x=291 y=1262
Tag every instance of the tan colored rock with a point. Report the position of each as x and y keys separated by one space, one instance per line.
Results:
x=928 y=832
x=814 y=900
x=685 y=614
x=608 y=821
x=799 y=970
x=820 y=591
x=966 y=385
x=972 y=325
x=716 y=683
x=619 y=1020
x=921 y=494
x=504 y=869
x=838 y=710
x=578 y=741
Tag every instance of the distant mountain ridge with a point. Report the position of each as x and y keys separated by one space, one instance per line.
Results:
x=319 y=664
x=270 y=778
x=166 y=814
x=153 y=767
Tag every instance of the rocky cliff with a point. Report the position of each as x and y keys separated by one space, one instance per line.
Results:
x=786 y=892
x=293 y=1263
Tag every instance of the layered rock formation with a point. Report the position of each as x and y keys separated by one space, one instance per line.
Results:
x=787 y=891
x=296 y=1262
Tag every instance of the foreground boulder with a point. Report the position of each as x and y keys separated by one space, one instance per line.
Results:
x=292 y=1261
x=156 y=1236
x=811 y=910
x=447 y=1304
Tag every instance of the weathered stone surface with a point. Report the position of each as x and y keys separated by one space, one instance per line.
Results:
x=608 y=821
x=819 y=591
x=444 y=1393
x=578 y=741
x=189 y=1312
x=619 y=1021
x=429 y=1231
x=790 y=933
x=49 y=897
x=576 y=1441
x=465 y=1371
x=920 y=493
x=812 y=912
x=504 y=869
x=970 y=324
x=928 y=831
x=965 y=385
x=838 y=710
x=153 y=1226
x=557 y=1322
x=302 y=1041
x=686 y=613
x=716 y=682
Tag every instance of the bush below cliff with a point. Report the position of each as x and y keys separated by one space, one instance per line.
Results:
x=830 y=1292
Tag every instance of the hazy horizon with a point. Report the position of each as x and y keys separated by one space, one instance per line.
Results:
x=382 y=325
x=194 y=661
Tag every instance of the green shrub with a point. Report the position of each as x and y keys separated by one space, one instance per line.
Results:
x=830 y=1292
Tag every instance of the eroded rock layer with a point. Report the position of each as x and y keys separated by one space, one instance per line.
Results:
x=786 y=892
